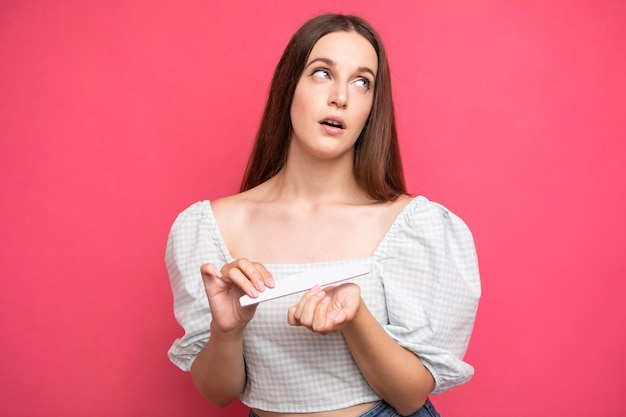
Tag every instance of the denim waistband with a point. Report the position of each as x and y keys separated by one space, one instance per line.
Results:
x=382 y=409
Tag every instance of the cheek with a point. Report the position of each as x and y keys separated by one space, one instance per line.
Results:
x=298 y=108
x=364 y=111
x=295 y=113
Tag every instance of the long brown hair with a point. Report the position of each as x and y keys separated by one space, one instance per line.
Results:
x=377 y=163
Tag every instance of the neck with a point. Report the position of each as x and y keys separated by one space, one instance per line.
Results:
x=319 y=181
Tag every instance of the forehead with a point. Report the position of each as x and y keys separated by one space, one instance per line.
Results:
x=346 y=49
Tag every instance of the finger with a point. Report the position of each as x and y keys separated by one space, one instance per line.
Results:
x=248 y=276
x=291 y=318
x=301 y=304
x=209 y=270
x=255 y=272
x=238 y=278
x=308 y=312
x=321 y=322
x=266 y=276
x=348 y=308
x=211 y=278
x=269 y=280
x=303 y=313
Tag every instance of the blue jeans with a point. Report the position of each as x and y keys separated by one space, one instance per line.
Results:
x=382 y=409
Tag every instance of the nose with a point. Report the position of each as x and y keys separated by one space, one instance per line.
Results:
x=339 y=96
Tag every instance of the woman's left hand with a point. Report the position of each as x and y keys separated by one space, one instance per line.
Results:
x=326 y=310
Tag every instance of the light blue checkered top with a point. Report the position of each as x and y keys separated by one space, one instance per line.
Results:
x=423 y=288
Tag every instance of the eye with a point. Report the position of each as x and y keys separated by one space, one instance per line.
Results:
x=321 y=73
x=364 y=83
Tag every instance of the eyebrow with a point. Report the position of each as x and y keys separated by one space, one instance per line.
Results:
x=332 y=63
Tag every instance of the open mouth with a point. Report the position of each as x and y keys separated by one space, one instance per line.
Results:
x=332 y=123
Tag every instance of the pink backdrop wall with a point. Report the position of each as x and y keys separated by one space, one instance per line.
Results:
x=115 y=116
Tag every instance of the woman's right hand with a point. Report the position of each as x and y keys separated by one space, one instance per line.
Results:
x=224 y=288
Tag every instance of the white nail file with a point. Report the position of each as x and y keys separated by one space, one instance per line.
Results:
x=305 y=281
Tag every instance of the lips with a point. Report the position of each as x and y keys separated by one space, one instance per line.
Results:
x=334 y=122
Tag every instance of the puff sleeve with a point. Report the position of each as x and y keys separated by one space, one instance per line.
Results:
x=191 y=243
x=432 y=287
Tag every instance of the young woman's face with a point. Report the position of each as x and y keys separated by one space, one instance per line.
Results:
x=334 y=95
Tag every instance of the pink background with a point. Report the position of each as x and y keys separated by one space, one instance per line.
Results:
x=115 y=116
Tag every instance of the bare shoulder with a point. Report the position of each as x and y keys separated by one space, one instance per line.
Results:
x=224 y=205
x=389 y=210
x=399 y=203
x=231 y=209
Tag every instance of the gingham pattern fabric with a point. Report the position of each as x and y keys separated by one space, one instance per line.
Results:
x=423 y=288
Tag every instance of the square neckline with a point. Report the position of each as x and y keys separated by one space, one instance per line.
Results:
x=387 y=237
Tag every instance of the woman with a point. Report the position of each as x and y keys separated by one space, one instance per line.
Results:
x=323 y=188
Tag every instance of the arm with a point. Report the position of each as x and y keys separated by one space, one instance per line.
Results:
x=431 y=319
x=213 y=353
x=219 y=371
x=396 y=374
